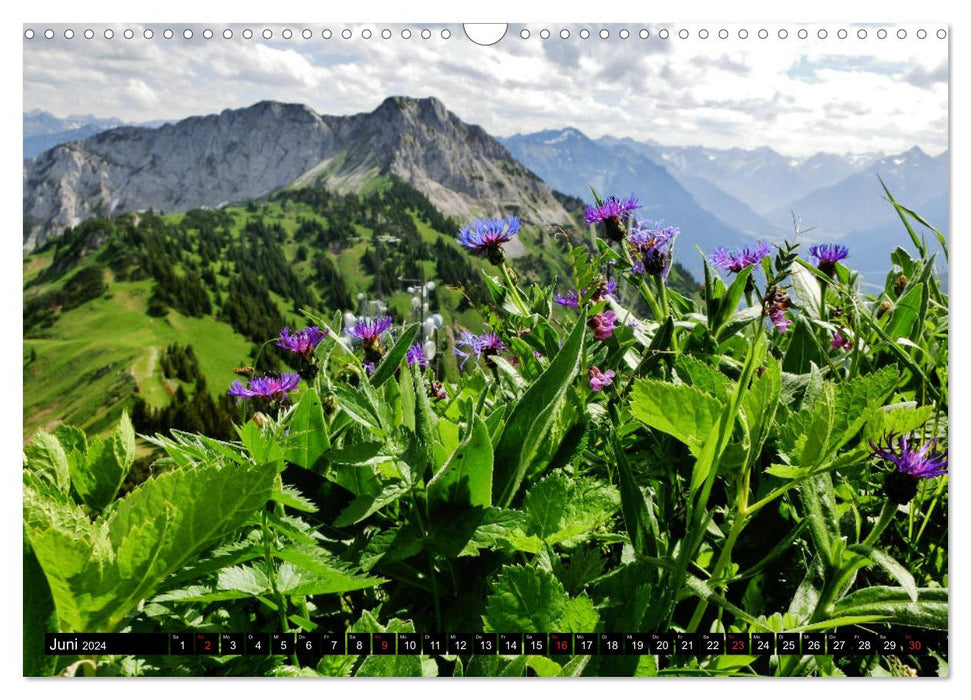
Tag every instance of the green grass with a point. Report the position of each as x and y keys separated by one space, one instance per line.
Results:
x=94 y=358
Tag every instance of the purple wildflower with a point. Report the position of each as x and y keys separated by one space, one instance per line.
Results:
x=273 y=389
x=780 y=320
x=827 y=255
x=572 y=298
x=303 y=342
x=368 y=367
x=603 y=325
x=651 y=248
x=484 y=345
x=487 y=236
x=740 y=258
x=416 y=356
x=912 y=465
x=612 y=214
x=840 y=342
x=370 y=329
x=599 y=380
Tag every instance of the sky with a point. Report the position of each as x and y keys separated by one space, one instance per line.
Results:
x=798 y=96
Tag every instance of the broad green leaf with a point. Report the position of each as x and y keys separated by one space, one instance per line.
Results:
x=804 y=350
x=895 y=606
x=529 y=422
x=390 y=363
x=98 y=572
x=106 y=463
x=559 y=508
x=891 y=566
x=426 y=421
x=544 y=667
x=359 y=406
x=807 y=290
x=898 y=420
x=702 y=376
x=308 y=439
x=320 y=574
x=684 y=412
x=856 y=401
x=466 y=477
x=525 y=600
x=368 y=503
x=819 y=501
x=39 y=617
x=47 y=467
x=759 y=406
x=579 y=615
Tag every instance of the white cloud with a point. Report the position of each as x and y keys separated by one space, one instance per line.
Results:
x=862 y=94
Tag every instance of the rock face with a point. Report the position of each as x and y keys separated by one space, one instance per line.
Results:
x=247 y=153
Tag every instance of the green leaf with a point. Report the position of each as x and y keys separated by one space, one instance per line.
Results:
x=291 y=497
x=638 y=516
x=819 y=501
x=466 y=477
x=359 y=405
x=47 y=466
x=531 y=417
x=803 y=351
x=759 y=406
x=807 y=290
x=390 y=363
x=524 y=600
x=98 y=572
x=559 y=508
x=308 y=438
x=40 y=617
x=891 y=566
x=320 y=574
x=682 y=411
x=896 y=607
x=905 y=313
x=856 y=401
x=579 y=615
x=702 y=375
x=106 y=463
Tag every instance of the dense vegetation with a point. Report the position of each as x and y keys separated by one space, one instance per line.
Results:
x=623 y=458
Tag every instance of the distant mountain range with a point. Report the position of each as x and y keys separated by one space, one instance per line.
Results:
x=716 y=196
x=243 y=154
x=42 y=130
x=758 y=193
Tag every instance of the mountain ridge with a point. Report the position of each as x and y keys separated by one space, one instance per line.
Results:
x=247 y=153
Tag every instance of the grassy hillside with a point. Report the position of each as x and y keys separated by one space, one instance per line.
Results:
x=103 y=302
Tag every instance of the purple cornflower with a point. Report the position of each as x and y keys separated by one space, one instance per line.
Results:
x=369 y=329
x=484 y=345
x=599 y=380
x=572 y=298
x=273 y=389
x=740 y=258
x=839 y=342
x=368 y=367
x=912 y=465
x=923 y=463
x=827 y=255
x=416 y=356
x=303 y=342
x=487 y=236
x=652 y=248
x=612 y=214
x=603 y=325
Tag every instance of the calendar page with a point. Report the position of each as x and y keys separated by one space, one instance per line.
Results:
x=560 y=350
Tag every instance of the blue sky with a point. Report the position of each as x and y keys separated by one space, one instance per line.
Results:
x=798 y=96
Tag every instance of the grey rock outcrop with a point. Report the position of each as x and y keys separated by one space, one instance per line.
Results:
x=248 y=153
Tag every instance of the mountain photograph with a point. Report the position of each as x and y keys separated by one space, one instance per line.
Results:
x=381 y=351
